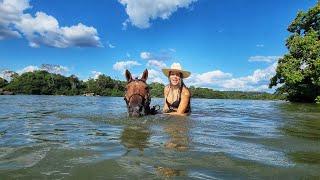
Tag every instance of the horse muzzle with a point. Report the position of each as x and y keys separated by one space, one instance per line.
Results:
x=136 y=111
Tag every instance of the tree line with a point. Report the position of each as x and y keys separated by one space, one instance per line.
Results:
x=298 y=72
x=42 y=82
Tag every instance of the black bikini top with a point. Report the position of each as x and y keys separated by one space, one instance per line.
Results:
x=176 y=103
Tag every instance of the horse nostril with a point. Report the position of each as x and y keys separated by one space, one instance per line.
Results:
x=135 y=114
x=134 y=108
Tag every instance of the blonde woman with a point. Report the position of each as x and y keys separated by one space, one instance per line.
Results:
x=176 y=94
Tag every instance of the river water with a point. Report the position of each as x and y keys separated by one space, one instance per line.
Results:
x=58 y=137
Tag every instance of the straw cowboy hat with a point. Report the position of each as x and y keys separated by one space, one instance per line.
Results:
x=176 y=67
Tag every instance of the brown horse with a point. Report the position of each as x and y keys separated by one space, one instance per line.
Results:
x=137 y=95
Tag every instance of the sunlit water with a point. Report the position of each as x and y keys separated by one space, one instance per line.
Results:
x=56 y=137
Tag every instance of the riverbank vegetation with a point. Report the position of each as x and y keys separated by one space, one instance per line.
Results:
x=45 y=83
x=3 y=82
x=299 y=70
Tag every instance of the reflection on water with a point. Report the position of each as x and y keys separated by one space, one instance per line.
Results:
x=178 y=140
x=301 y=120
x=169 y=172
x=178 y=134
x=53 y=137
x=302 y=124
x=305 y=157
x=135 y=137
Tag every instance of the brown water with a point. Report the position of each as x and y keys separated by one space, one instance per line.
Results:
x=53 y=137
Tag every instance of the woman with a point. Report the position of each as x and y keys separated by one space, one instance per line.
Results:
x=176 y=94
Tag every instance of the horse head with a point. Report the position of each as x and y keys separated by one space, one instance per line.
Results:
x=137 y=95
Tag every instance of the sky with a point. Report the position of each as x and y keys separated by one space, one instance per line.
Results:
x=225 y=44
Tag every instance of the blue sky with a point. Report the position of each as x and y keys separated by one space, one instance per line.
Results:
x=226 y=44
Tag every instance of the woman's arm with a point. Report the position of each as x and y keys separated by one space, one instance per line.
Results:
x=165 y=106
x=185 y=98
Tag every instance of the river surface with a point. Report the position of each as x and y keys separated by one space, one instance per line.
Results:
x=58 y=137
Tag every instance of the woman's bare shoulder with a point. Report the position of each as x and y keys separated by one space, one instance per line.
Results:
x=186 y=91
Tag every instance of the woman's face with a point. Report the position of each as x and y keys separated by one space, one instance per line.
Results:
x=174 y=78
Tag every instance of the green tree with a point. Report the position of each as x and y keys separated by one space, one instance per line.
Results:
x=76 y=85
x=3 y=82
x=91 y=86
x=104 y=83
x=156 y=89
x=299 y=70
x=41 y=82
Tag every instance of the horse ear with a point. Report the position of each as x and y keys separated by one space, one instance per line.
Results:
x=145 y=75
x=128 y=76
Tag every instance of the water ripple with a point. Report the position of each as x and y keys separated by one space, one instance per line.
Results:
x=54 y=137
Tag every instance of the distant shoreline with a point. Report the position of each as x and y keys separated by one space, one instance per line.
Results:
x=151 y=97
x=45 y=83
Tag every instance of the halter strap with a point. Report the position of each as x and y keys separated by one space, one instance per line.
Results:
x=145 y=101
x=136 y=94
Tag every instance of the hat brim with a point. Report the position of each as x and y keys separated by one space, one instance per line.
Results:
x=185 y=74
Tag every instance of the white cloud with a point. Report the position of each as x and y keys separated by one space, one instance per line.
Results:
x=123 y=65
x=111 y=45
x=10 y=13
x=81 y=36
x=11 y=10
x=51 y=68
x=257 y=81
x=172 y=50
x=212 y=75
x=208 y=78
x=145 y=55
x=163 y=55
x=42 y=29
x=6 y=33
x=6 y=74
x=155 y=76
x=30 y=68
x=125 y=24
x=268 y=59
x=156 y=63
x=140 y=12
x=219 y=80
x=95 y=74
x=55 y=69
x=262 y=74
